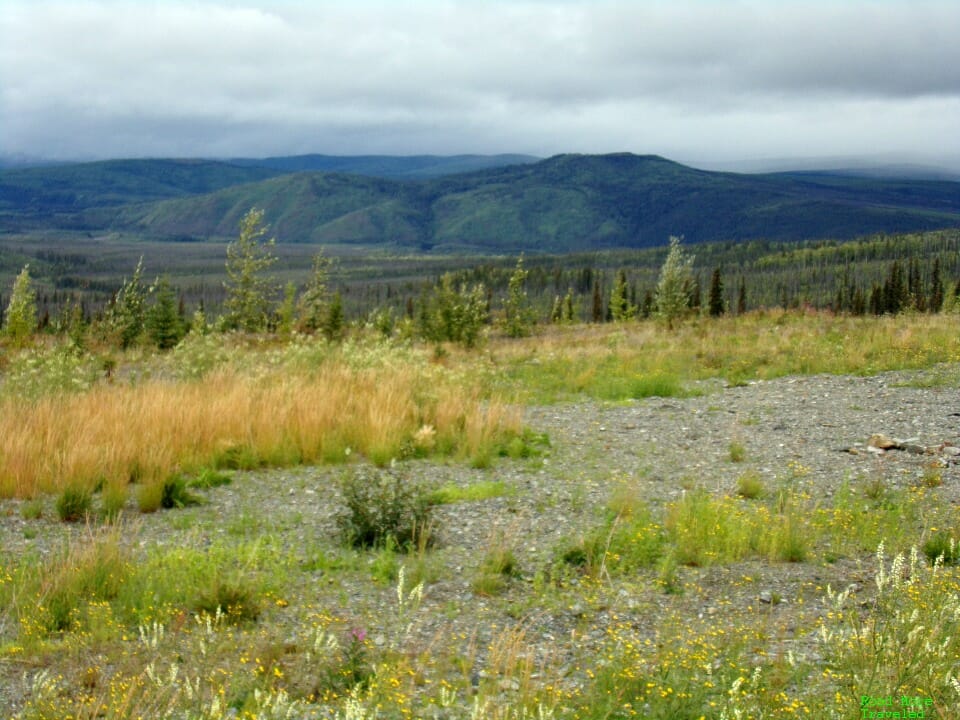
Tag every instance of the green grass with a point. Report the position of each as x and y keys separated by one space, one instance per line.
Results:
x=450 y=493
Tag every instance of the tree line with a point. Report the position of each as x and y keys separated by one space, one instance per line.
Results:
x=856 y=277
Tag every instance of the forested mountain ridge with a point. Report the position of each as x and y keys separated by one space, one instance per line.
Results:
x=566 y=203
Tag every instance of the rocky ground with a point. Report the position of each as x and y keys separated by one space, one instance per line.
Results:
x=807 y=433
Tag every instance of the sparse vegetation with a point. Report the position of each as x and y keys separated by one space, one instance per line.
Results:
x=639 y=613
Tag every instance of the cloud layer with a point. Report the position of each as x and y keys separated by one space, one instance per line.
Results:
x=687 y=79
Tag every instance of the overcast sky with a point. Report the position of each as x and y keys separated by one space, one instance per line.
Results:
x=697 y=81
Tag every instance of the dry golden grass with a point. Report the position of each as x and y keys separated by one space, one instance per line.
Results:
x=113 y=434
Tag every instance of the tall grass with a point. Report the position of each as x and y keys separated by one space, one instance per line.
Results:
x=114 y=434
x=645 y=359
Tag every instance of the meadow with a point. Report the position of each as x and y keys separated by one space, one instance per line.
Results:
x=257 y=526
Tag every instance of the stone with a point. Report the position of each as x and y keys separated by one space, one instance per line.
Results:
x=882 y=442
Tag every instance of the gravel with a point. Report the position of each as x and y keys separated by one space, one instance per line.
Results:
x=808 y=433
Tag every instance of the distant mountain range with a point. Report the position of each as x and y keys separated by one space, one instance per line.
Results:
x=505 y=203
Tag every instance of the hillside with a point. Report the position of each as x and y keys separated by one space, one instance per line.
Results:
x=45 y=192
x=562 y=204
x=387 y=166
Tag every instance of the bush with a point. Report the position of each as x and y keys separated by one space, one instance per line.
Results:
x=74 y=504
x=209 y=478
x=382 y=506
x=750 y=485
x=174 y=494
x=942 y=545
x=231 y=597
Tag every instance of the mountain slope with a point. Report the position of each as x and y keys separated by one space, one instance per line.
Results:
x=70 y=188
x=387 y=166
x=564 y=203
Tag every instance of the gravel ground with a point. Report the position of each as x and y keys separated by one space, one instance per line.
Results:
x=810 y=433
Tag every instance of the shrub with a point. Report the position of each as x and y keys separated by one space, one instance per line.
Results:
x=231 y=597
x=112 y=501
x=174 y=494
x=498 y=567
x=738 y=453
x=31 y=510
x=750 y=486
x=74 y=503
x=628 y=540
x=381 y=505
x=209 y=478
x=945 y=545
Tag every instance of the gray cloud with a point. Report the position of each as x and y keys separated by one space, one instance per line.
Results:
x=690 y=79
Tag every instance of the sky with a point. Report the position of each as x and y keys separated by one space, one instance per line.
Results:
x=699 y=81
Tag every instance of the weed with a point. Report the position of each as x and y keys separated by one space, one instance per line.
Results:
x=750 y=485
x=932 y=477
x=236 y=600
x=74 y=503
x=498 y=567
x=174 y=493
x=150 y=497
x=737 y=452
x=208 y=478
x=483 y=490
x=628 y=540
x=112 y=501
x=906 y=643
x=382 y=504
x=32 y=509
x=942 y=545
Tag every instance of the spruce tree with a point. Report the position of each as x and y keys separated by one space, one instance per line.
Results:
x=249 y=292
x=621 y=308
x=597 y=314
x=128 y=312
x=20 y=319
x=316 y=296
x=716 y=303
x=935 y=303
x=333 y=325
x=163 y=321
x=673 y=287
x=568 y=310
x=517 y=314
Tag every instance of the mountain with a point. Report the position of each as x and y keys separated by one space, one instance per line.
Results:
x=49 y=191
x=54 y=193
x=387 y=166
x=563 y=203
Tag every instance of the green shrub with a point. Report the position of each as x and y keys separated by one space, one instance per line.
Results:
x=149 y=497
x=237 y=457
x=498 y=567
x=381 y=504
x=174 y=494
x=657 y=384
x=738 y=453
x=628 y=540
x=209 y=478
x=945 y=545
x=237 y=601
x=32 y=510
x=112 y=500
x=750 y=486
x=74 y=503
